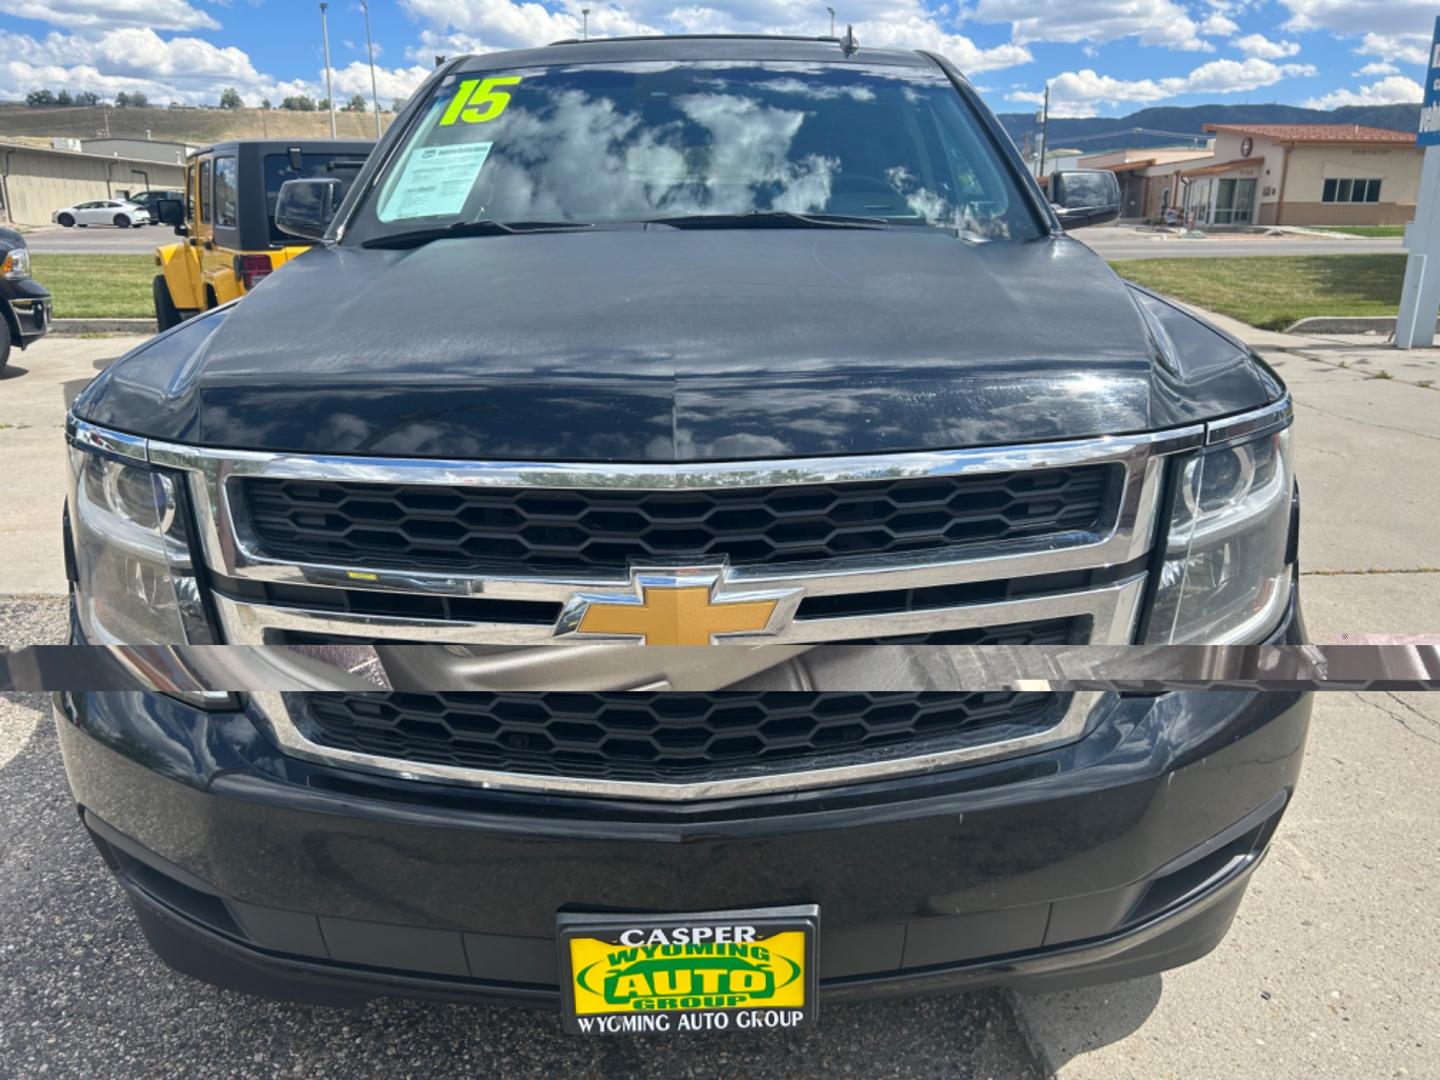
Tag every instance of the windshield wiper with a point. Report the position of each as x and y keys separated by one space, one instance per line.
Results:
x=771 y=219
x=416 y=237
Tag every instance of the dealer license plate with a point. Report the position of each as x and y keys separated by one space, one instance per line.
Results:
x=675 y=974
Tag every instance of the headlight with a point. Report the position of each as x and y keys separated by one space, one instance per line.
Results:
x=136 y=582
x=1224 y=578
x=16 y=264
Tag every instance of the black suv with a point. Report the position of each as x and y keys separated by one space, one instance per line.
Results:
x=24 y=302
x=768 y=349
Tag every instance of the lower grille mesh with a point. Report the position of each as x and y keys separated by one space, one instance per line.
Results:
x=660 y=737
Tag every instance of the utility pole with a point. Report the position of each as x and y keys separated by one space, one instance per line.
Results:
x=831 y=10
x=329 y=93
x=370 y=49
x=1044 y=131
x=585 y=25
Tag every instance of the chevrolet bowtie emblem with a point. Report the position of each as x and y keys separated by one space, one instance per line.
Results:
x=678 y=606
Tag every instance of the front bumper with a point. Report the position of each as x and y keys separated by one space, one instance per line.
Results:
x=1119 y=854
x=30 y=303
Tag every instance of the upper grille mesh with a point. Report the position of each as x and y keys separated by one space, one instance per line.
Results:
x=541 y=529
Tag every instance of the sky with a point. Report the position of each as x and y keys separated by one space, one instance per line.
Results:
x=1100 y=57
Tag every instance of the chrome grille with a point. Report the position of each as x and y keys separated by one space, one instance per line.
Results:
x=658 y=736
x=1079 y=577
x=550 y=530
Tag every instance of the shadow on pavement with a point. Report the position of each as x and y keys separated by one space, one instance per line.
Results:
x=1079 y=1021
x=12 y=371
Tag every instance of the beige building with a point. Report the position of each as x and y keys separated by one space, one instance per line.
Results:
x=1308 y=174
x=1273 y=174
x=35 y=181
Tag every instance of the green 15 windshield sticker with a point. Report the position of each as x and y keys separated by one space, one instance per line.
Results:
x=478 y=100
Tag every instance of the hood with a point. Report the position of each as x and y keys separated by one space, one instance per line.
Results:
x=669 y=345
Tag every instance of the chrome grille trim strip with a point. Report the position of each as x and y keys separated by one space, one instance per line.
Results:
x=231 y=548
x=1270 y=417
x=872 y=765
x=1113 y=609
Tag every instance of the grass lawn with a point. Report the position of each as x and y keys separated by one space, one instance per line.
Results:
x=1363 y=230
x=98 y=286
x=1272 y=291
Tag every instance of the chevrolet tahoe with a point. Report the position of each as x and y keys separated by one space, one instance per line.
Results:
x=664 y=412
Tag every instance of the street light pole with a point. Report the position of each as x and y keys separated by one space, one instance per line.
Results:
x=370 y=50
x=585 y=26
x=329 y=93
x=831 y=10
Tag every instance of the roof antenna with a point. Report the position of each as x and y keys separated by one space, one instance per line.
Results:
x=848 y=44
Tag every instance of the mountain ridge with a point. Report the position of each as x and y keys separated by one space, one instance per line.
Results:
x=1096 y=133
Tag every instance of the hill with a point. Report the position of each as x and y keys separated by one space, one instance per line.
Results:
x=197 y=126
x=1113 y=133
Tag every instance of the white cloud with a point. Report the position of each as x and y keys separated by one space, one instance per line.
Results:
x=1081 y=93
x=1379 y=67
x=1397 y=48
x=1151 y=22
x=1345 y=17
x=390 y=83
x=1218 y=25
x=1261 y=46
x=85 y=14
x=1395 y=90
x=450 y=27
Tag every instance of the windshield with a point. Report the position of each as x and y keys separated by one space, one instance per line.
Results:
x=602 y=143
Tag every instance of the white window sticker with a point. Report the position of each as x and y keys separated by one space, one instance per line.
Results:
x=435 y=181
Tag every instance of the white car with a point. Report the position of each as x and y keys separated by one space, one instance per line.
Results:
x=117 y=212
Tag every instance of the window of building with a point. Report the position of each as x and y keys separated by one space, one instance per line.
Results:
x=1351 y=191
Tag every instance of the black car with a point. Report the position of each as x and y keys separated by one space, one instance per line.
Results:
x=149 y=198
x=24 y=302
x=765 y=348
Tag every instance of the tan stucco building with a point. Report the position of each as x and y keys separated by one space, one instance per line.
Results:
x=1274 y=174
x=36 y=181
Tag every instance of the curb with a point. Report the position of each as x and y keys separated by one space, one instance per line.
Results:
x=72 y=327
x=1344 y=324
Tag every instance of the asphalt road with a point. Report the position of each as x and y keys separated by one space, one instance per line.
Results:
x=97 y=240
x=1127 y=243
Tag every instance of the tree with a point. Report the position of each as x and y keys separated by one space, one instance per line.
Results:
x=139 y=101
x=122 y=100
x=265 y=104
x=299 y=103
x=87 y=98
x=64 y=98
x=323 y=104
x=397 y=104
x=356 y=104
x=40 y=97
x=230 y=99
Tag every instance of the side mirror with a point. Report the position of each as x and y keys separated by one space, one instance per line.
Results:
x=1085 y=197
x=169 y=211
x=305 y=207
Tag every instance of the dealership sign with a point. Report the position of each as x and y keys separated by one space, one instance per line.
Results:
x=1430 y=110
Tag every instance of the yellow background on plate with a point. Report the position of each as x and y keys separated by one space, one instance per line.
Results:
x=591 y=958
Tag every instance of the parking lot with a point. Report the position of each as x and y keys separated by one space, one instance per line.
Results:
x=97 y=240
x=1329 y=972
